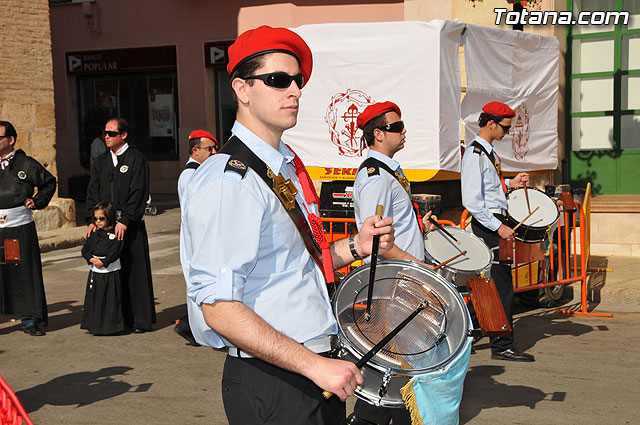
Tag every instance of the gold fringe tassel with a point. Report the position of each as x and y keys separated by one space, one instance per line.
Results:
x=408 y=396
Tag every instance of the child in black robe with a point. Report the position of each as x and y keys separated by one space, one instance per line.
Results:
x=103 y=314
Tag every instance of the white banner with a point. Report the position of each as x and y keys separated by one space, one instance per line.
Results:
x=521 y=70
x=414 y=64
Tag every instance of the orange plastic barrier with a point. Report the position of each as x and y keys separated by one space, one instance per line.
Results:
x=339 y=229
x=11 y=411
x=567 y=260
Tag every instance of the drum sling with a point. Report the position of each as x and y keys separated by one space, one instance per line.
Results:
x=496 y=162
x=404 y=182
x=285 y=190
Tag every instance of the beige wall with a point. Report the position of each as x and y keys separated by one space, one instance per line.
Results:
x=26 y=77
x=116 y=24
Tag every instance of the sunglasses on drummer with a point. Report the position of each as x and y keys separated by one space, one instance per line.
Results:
x=394 y=127
x=505 y=128
x=279 y=80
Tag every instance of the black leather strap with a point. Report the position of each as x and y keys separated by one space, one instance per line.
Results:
x=238 y=150
x=374 y=162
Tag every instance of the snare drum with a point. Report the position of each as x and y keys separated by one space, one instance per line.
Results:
x=428 y=344
x=536 y=227
x=475 y=263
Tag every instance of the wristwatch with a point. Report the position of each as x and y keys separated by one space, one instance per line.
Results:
x=352 y=247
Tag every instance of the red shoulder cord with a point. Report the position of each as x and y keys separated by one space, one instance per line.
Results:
x=418 y=215
x=317 y=228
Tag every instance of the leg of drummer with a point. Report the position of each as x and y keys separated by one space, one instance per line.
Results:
x=502 y=277
x=502 y=348
x=367 y=414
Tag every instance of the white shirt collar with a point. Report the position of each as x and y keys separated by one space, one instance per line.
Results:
x=114 y=156
x=390 y=162
x=273 y=158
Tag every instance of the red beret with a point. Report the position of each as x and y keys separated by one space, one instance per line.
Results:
x=498 y=109
x=374 y=110
x=265 y=39
x=196 y=134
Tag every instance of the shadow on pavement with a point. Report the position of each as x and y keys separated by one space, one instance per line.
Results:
x=168 y=316
x=545 y=324
x=482 y=391
x=71 y=317
x=81 y=389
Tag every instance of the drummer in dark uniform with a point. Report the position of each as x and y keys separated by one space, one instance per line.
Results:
x=21 y=285
x=381 y=181
x=121 y=176
x=483 y=195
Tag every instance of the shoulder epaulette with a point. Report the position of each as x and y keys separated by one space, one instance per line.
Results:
x=477 y=150
x=236 y=165
x=372 y=166
x=373 y=170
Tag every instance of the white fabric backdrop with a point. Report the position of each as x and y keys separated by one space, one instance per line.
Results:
x=521 y=70
x=414 y=64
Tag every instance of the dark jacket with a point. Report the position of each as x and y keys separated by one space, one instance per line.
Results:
x=126 y=185
x=19 y=180
x=102 y=243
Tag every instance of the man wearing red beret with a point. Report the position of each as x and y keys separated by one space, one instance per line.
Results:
x=202 y=145
x=483 y=194
x=381 y=181
x=254 y=255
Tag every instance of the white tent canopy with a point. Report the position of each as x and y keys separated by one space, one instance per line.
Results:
x=416 y=65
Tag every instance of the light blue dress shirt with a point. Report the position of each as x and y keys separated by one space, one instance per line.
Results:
x=384 y=189
x=237 y=242
x=184 y=178
x=481 y=187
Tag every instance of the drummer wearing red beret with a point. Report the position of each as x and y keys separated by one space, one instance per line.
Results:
x=253 y=285
x=381 y=181
x=484 y=196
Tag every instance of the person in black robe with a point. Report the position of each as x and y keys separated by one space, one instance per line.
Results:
x=102 y=313
x=121 y=176
x=21 y=285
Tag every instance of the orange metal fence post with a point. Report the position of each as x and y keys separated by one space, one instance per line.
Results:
x=583 y=273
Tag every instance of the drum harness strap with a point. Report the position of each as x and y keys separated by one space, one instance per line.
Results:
x=192 y=165
x=313 y=237
x=497 y=163
x=404 y=182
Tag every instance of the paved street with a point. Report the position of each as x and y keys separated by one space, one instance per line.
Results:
x=585 y=371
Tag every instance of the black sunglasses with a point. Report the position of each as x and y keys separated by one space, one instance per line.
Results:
x=99 y=218
x=209 y=148
x=279 y=80
x=505 y=128
x=394 y=127
x=111 y=133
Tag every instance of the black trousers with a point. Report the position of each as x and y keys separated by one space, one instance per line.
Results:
x=501 y=275
x=381 y=415
x=255 y=392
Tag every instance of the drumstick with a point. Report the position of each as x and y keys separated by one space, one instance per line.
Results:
x=449 y=260
x=372 y=266
x=365 y=359
x=441 y=227
x=526 y=195
x=525 y=219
